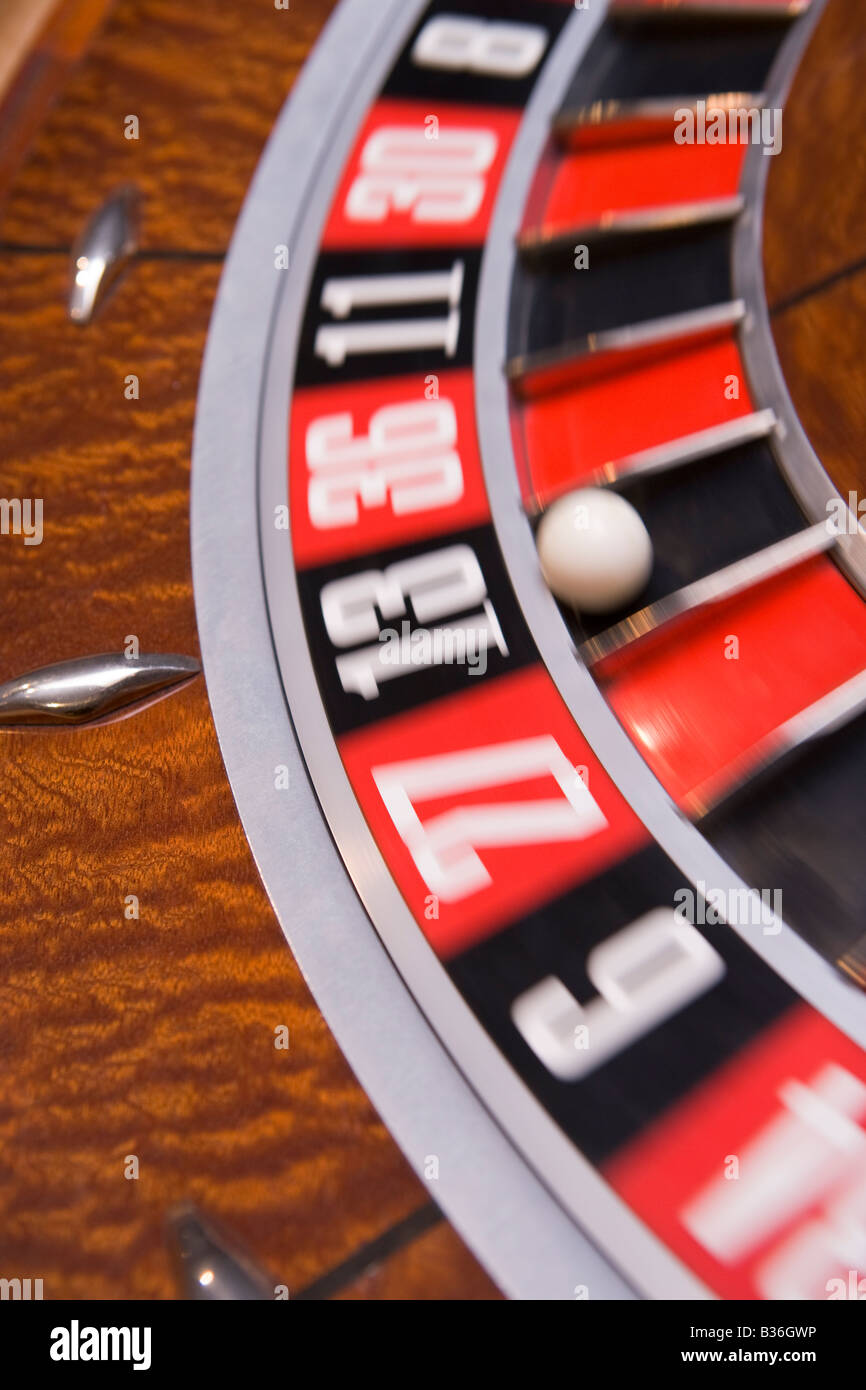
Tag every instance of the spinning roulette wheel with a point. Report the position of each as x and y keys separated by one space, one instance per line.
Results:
x=574 y=877
x=530 y=593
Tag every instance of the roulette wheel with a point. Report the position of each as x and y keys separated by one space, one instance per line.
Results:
x=529 y=588
x=576 y=883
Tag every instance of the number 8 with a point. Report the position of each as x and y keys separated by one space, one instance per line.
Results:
x=495 y=48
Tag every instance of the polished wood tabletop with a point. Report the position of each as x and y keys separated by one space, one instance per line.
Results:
x=815 y=243
x=153 y=1036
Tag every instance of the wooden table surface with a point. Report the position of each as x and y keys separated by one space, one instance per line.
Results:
x=815 y=244
x=154 y=1037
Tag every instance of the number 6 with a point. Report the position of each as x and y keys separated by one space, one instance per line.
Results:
x=643 y=974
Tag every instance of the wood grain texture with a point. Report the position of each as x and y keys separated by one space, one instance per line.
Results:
x=433 y=1267
x=41 y=62
x=20 y=22
x=815 y=244
x=113 y=473
x=814 y=225
x=827 y=328
x=206 y=83
x=155 y=1036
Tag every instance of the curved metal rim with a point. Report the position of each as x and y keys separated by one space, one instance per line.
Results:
x=486 y=1188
